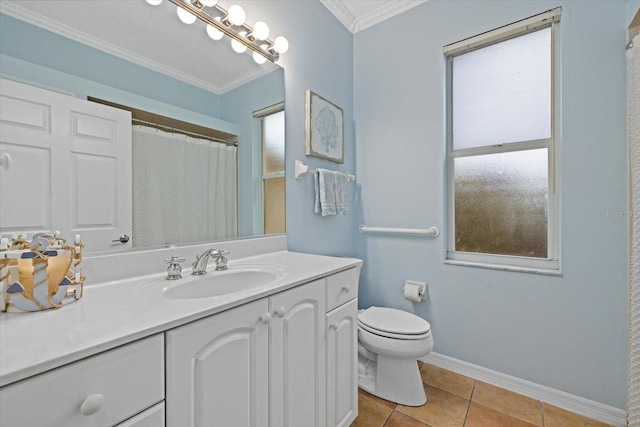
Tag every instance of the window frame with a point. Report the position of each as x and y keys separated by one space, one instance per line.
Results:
x=257 y=159
x=551 y=264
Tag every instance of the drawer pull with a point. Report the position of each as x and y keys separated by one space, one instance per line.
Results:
x=280 y=311
x=265 y=318
x=92 y=404
x=346 y=288
x=334 y=326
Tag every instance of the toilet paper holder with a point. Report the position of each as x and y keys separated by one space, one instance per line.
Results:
x=415 y=291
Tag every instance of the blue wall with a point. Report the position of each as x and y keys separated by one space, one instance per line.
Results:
x=320 y=58
x=569 y=332
x=238 y=106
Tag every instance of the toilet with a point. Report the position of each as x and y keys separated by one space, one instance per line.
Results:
x=389 y=342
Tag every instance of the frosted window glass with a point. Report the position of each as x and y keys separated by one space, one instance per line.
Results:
x=501 y=203
x=274 y=206
x=273 y=140
x=502 y=92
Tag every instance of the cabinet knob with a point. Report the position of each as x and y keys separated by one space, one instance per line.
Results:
x=334 y=326
x=265 y=318
x=92 y=404
x=280 y=311
x=346 y=288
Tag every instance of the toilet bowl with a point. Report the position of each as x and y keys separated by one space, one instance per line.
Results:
x=389 y=342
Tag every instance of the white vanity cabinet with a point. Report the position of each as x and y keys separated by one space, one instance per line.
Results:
x=265 y=363
x=342 y=348
x=99 y=391
x=218 y=369
x=297 y=356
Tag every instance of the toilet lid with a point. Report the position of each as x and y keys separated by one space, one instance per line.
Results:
x=393 y=321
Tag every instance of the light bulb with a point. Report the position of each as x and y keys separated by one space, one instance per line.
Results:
x=213 y=32
x=236 y=15
x=154 y=2
x=259 y=58
x=261 y=31
x=209 y=3
x=281 y=44
x=237 y=46
x=186 y=16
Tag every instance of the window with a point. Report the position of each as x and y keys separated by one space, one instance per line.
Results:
x=501 y=142
x=270 y=123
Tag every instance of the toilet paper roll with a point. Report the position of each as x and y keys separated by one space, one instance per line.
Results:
x=414 y=291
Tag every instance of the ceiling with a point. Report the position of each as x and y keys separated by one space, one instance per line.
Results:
x=123 y=29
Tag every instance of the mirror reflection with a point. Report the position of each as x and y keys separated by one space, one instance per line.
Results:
x=245 y=122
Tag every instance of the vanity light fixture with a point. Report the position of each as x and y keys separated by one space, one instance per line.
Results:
x=232 y=23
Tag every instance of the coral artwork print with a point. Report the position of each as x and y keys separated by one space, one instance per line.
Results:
x=324 y=125
x=327 y=129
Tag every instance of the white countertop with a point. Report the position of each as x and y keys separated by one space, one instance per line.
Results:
x=115 y=313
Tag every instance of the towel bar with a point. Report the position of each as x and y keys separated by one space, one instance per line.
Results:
x=301 y=169
x=433 y=231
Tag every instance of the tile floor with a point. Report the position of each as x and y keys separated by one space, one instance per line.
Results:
x=454 y=400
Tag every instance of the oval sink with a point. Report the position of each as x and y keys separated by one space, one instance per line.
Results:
x=218 y=283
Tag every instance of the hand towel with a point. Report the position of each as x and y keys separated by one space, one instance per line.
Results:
x=331 y=192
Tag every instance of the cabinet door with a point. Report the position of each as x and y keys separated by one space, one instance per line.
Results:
x=297 y=356
x=342 y=364
x=217 y=370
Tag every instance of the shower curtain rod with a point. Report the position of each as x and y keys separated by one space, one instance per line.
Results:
x=183 y=132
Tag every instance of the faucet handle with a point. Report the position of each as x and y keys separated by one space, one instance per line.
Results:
x=175 y=269
x=174 y=259
x=221 y=261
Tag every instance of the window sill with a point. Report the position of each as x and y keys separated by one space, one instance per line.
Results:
x=519 y=269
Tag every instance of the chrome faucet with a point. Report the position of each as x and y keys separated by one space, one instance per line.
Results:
x=200 y=264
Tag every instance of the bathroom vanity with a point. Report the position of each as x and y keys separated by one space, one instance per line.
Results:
x=132 y=353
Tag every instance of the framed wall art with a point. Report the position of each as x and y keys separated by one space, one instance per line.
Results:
x=324 y=128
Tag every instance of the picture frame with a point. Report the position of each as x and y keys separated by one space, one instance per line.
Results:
x=324 y=126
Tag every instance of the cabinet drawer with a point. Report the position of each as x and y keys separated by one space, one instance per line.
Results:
x=342 y=287
x=152 y=417
x=114 y=385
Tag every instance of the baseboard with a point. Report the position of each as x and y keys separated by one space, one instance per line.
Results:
x=588 y=408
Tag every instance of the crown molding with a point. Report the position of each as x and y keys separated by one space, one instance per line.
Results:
x=388 y=10
x=341 y=12
x=23 y=14
x=355 y=24
x=247 y=77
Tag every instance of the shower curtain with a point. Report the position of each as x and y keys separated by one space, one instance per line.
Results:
x=633 y=126
x=184 y=188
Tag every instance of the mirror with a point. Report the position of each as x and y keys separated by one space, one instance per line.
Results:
x=222 y=87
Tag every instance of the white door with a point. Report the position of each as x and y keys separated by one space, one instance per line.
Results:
x=70 y=166
x=217 y=370
x=342 y=365
x=297 y=356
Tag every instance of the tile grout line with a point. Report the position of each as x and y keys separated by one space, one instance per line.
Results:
x=466 y=415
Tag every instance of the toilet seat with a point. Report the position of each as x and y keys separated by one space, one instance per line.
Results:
x=392 y=335
x=393 y=323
